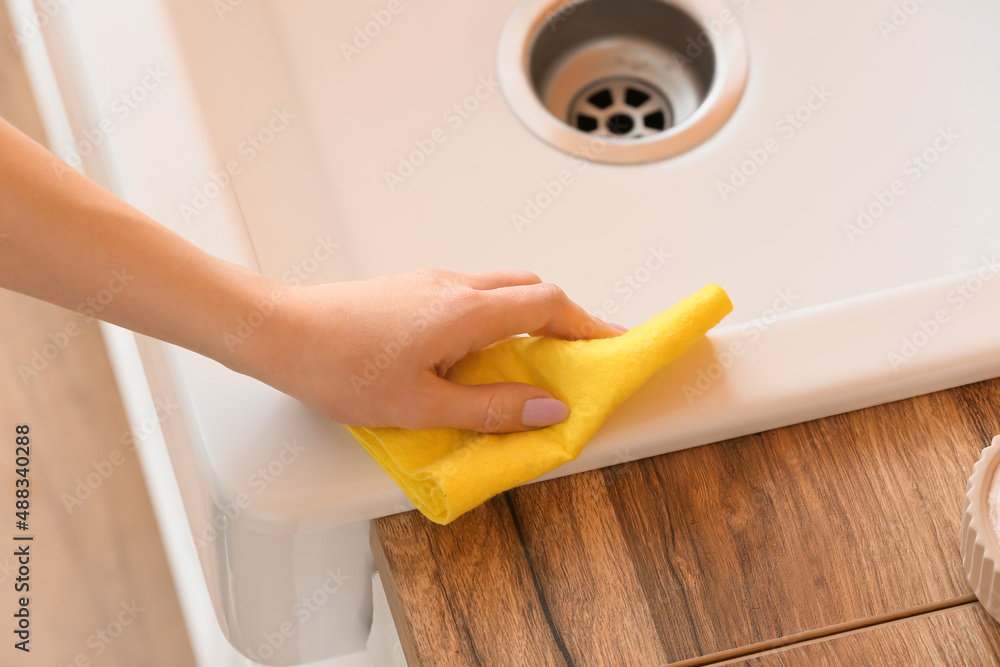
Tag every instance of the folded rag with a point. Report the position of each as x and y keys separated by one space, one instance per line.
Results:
x=446 y=472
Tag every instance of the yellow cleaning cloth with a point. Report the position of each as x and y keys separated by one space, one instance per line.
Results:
x=447 y=472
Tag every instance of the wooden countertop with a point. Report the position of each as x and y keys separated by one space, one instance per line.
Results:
x=833 y=541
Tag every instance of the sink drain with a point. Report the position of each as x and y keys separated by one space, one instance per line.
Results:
x=645 y=76
x=626 y=108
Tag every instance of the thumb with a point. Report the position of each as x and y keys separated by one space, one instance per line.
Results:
x=503 y=407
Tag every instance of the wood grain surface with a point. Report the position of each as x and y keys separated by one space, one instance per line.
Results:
x=101 y=592
x=705 y=554
x=964 y=636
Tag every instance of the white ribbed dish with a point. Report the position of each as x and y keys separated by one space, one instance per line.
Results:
x=979 y=536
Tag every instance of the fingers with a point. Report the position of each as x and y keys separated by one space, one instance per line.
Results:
x=507 y=303
x=567 y=319
x=538 y=309
x=490 y=408
x=487 y=280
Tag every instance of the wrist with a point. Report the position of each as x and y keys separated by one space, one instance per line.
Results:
x=247 y=330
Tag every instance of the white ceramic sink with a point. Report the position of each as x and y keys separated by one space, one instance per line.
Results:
x=848 y=206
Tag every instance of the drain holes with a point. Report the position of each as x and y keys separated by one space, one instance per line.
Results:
x=586 y=123
x=635 y=98
x=620 y=124
x=601 y=99
x=623 y=107
x=655 y=121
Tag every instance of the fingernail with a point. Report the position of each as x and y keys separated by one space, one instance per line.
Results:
x=618 y=326
x=543 y=412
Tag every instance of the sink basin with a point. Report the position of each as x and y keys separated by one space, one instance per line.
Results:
x=847 y=204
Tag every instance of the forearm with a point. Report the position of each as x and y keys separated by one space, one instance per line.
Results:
x=65 y=240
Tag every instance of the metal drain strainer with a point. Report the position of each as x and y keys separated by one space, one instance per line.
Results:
x=620 y=107
x=645 y=77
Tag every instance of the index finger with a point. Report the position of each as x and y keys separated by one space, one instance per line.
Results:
x=538 y=309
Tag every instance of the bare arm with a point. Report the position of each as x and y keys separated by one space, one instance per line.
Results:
x=65 y=240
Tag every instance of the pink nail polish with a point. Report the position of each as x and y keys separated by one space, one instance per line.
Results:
x=543 y=412
x=618 y=326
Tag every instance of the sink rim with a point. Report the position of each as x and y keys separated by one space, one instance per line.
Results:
x=724 y=95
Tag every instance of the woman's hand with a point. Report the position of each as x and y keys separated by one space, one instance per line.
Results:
x=375 y=352
x=66 y=240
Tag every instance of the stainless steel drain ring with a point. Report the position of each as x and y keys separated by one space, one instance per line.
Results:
x=555 y=55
